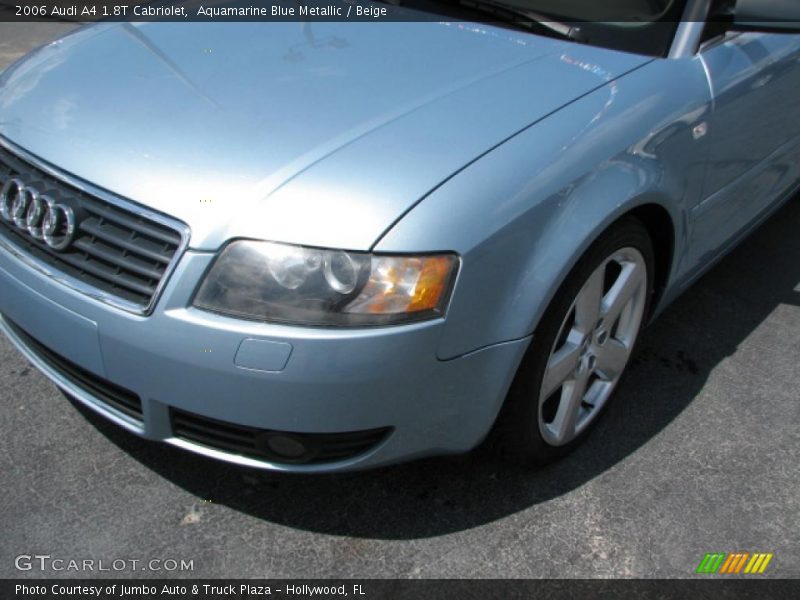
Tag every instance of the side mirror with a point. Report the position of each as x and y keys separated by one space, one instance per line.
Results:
x=781 y=16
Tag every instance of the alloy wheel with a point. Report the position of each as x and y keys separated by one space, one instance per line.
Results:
x=593 y=346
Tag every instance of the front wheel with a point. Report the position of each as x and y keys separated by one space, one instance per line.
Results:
x=580 y=348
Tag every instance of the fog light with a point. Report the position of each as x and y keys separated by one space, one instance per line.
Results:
x=285 y=446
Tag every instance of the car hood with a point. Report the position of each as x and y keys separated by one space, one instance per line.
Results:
x=322 y=134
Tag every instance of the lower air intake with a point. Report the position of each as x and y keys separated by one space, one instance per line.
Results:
x=274 y=446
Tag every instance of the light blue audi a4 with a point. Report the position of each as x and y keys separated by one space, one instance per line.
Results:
x=321 y=246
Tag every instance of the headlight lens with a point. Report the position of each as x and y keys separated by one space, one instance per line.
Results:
x=310 y=286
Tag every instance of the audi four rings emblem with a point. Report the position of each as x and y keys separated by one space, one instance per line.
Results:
x=38 y=214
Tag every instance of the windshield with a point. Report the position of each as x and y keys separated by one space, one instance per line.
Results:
x=635 y=12
x=640 y=26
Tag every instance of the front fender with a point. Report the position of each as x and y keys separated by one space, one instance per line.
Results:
x=523 y=214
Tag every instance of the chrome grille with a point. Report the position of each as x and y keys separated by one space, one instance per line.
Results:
x=122 y=253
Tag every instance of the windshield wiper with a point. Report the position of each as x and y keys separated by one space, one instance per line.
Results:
x=524 y=18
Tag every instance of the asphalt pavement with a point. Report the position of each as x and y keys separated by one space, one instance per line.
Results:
x=698 y=453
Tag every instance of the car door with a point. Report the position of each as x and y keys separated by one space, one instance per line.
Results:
x=754 y=135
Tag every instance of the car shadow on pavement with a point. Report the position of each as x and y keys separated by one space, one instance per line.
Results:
x=437 y=496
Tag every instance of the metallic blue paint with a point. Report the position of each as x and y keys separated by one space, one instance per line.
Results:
x=513 y=150
x=180 y=128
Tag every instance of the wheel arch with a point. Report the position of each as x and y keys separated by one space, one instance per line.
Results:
x=661 y=229
x=662 y=224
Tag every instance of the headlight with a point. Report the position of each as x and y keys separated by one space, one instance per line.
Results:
x=310 y=286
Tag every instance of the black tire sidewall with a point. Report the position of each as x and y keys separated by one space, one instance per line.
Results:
x=516 y=435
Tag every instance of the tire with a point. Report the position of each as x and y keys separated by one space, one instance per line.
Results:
x=575 y=361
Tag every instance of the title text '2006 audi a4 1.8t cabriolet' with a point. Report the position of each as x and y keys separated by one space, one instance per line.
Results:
x=325 y=246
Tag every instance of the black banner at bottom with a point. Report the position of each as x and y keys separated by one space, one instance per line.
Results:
x=372 y=589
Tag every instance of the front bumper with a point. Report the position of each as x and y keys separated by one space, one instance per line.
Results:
x=265 y=376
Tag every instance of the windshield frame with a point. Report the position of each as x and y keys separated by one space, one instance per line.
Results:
x=650 y=38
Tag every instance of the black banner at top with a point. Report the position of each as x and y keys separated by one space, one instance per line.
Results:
x=633 y=12
x=198 y=10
